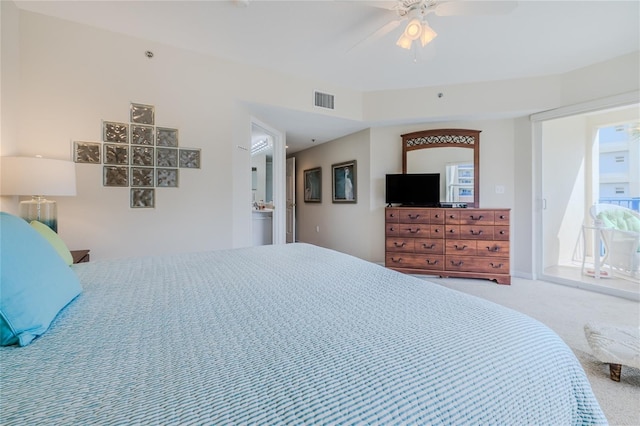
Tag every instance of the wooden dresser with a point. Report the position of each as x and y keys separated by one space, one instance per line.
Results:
x=467 y=243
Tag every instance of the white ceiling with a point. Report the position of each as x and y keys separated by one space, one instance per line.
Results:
x=322 y=40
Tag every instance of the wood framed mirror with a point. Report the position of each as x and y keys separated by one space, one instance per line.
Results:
x=454 y=153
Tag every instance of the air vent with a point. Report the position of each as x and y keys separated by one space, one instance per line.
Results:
x=323 y=100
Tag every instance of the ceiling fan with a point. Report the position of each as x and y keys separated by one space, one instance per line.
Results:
x=417 y=11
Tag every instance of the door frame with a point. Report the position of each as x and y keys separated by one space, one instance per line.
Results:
x=611 y=102
x=291 y=202
x=279 y=171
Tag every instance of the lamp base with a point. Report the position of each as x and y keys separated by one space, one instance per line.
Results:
x=40 y=209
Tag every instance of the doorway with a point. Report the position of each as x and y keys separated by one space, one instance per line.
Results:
x=571 y=180
x=267 y=184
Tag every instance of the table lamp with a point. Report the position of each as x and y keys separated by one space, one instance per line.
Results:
x=38 y=177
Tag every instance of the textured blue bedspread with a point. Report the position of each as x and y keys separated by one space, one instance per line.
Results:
x=291 y=334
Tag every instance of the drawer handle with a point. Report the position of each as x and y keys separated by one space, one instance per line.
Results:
x=457 y=263
x=494 y=266
x=476 y=218
x=398 y=260
x=437 y=216
x=476 y=232
x=413 y=217
x=401 y=245
x=436 y=230
x=392 y=215
x=502 y=216
x=414 y=231
x=452 y=231
x=392 y=229
x=452 y=216
x=435 y=262
x=502 y=232
x=457 y=247
x=428 y=247
x=494 y=249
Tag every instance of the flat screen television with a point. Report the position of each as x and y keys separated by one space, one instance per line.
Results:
x=413 y=189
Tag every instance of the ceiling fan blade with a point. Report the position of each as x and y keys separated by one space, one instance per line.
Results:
x=475 y=7
x=379 y=33
x=380 y=4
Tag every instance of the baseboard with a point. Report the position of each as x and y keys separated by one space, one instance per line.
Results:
x=525 y=275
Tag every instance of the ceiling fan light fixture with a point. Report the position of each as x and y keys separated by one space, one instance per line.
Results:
x=427 y=34
x=404 y=42
x=413 y=29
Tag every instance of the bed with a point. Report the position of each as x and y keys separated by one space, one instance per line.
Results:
x=286 y=334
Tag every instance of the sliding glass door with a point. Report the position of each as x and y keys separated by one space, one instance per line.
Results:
x=585 y=159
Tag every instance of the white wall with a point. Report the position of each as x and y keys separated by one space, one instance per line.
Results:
x=63 y=78
x=9 y=87
x=384 y=145
x=71 y=77
x=345 y=227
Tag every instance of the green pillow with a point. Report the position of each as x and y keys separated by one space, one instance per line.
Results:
x=634 y=224
x=55 y=240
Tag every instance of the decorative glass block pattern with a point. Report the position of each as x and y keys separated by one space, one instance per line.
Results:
x=115 y=132
x=167 y=178
x=116 y=154
x=143 y=198
x=190 y=158
x=143 y=114
x=138 y=154
x=116 y=176
x=166 y=157
x=166 y=137
x=86 y=152
x=142 y=176
x=142 y=135
x=142 y=156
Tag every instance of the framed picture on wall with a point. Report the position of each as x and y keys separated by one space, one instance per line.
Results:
x=313 y=185
x=343 y=179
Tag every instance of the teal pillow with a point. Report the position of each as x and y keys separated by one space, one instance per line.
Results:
x=35 y=283
x=55 y=240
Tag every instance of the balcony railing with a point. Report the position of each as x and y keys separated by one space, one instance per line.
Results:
x=632 y=203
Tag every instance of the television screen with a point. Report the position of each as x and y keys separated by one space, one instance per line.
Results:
x=413 y=189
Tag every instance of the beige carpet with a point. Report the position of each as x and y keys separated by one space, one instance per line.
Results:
x=565 y=310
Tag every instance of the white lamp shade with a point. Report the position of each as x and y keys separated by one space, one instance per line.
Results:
x=38 y=176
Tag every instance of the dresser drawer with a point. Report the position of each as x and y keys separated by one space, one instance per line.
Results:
x=416 y=230
x=476 y=232
x=501 y=217
x=392 y=215
x=400 y=244
x=436 y=231
x=477 y=217
x=493 y=248
x=461 y=247
x=501 y=232
x=414 y=216
x=452 y=231
x=415 y=261
x=498 y=265
x=392 y=230
x=429 y=246
x=436 y=216
x=470 y=217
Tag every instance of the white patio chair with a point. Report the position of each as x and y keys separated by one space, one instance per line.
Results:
x=620 y=230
